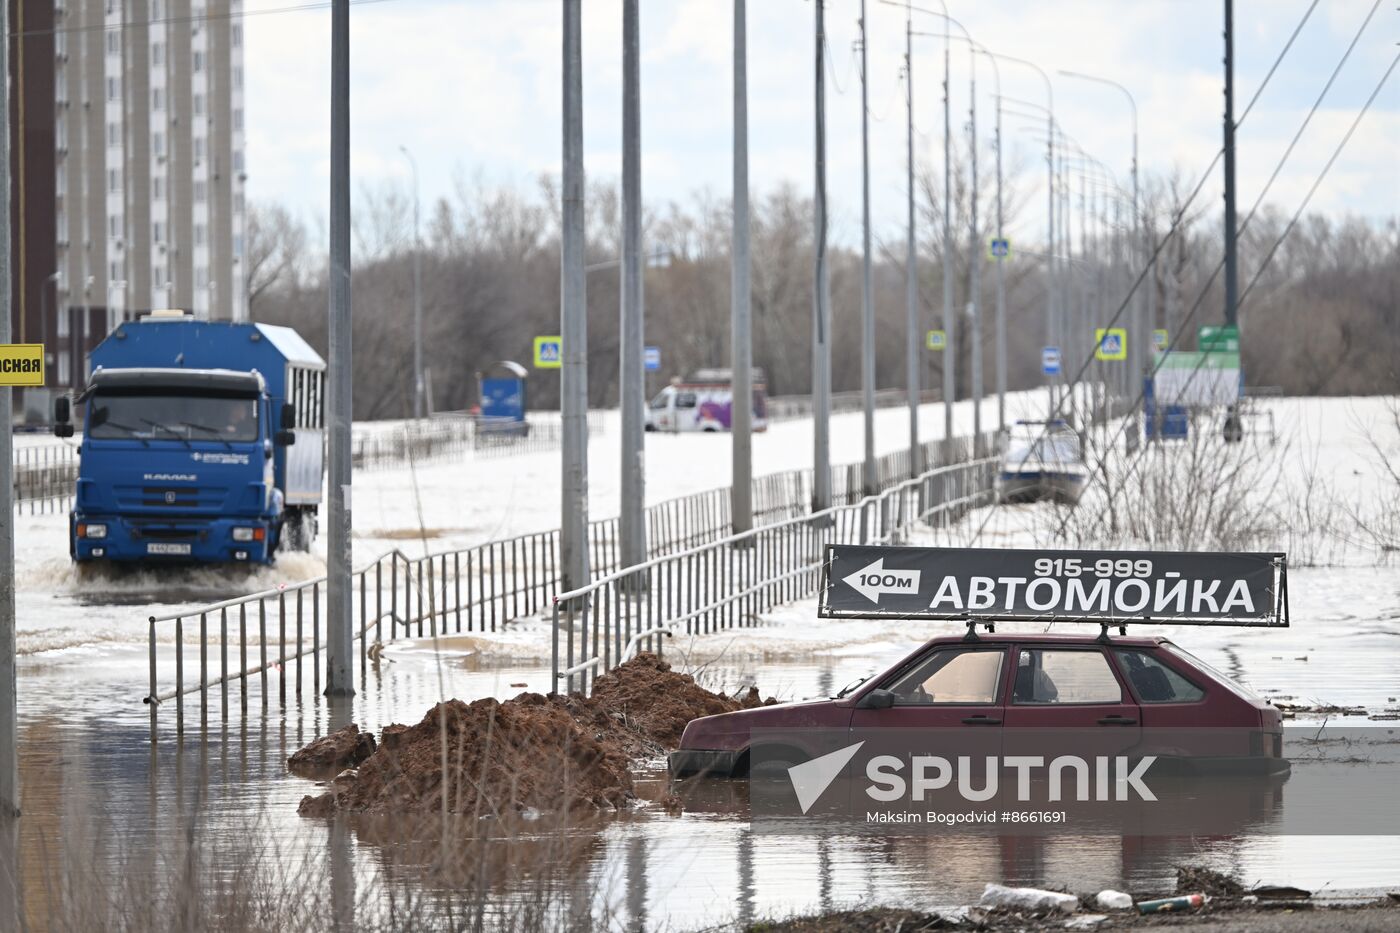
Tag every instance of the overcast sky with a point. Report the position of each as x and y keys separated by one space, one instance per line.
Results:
x=472 y=87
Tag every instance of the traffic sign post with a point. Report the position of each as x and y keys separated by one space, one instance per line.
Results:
x=21 y=364
x=935 y=340
x=1050 y=361
x=1111 y=343
x=549 y=352
x=651 y=358
x=999 y=248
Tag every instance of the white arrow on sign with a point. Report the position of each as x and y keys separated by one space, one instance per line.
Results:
x=875 y=579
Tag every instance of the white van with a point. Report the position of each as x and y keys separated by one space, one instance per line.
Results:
x=703 y=406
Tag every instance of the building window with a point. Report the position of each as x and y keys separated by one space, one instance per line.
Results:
x=158 y=232
x=198 y=61
x=115 y=274
x=114 y=180
x=238 y=245
x=158 y=144
x=237 y=34
x=201 y=191
x=157 y=99
x=158 y=53
x=238 y=118
x=199 y=105
x=238 y=77
x=157 y=187
x=238 y=160
x=199 y=234
x=62 y=324
x=199 y=148
x=63 y=357
x=114 y=135
x=114 y=225
x=201 y=277
x=114 y=42
x=114 y=89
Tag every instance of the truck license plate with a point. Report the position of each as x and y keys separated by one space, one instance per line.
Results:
x=165 y=547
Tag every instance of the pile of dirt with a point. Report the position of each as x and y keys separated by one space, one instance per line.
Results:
x=547 y=753
x=501 y=758
x=1195 y=879
x=656 y=702
x=330 y=754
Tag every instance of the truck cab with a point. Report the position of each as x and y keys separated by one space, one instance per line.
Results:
x=201 y=443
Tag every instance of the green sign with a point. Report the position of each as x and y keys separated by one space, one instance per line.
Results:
x=935 y=340
x=1212 y=338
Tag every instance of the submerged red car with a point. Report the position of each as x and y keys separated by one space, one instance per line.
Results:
x=1138 y=695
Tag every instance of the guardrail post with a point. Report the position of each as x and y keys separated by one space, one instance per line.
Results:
x=179 y=677
x=151 y=697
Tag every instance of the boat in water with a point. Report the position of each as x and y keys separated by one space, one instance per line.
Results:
x=1041 y=461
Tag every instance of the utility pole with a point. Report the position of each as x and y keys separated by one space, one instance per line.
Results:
x=418 y=383
x=573 y=319
x=949 y=323
x=974 y=273
x=9 y=722
x=740 y=339
x=867 y=297
x=821 y=292
x=340 y=597
x=911 y=262
x=1001 y=271
x=1232 y=286
x=631 y=376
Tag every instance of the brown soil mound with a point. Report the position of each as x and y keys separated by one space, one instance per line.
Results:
x=332 y=753
x=502 y=758
x=657 y=702
x=549 y=753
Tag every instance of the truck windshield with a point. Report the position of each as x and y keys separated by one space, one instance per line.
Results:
x=148 y=414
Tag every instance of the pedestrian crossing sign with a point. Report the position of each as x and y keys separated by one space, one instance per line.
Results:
x=549 y=352
x=935 y=340
x=1111 y=343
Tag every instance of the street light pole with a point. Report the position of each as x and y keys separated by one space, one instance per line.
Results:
x=1000 y=258
x=418 y=384
x=740 y=340
x=911 y=270
x=340 y=670
x=974 y=272
x=821 y=292
x=632 y=545
x=869 y=484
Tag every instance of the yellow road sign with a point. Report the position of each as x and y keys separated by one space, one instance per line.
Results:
x=1111 y=344
x=21 y=364
x=935 y=340
x=549 y=352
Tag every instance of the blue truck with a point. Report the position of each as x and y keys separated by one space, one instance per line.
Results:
x=203 y=441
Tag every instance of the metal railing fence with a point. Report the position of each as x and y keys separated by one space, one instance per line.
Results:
x=728 y=583
x=45 y=478
x=480 y=588
x=453 y=436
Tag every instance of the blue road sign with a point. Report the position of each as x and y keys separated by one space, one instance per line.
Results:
x=1000 y=248
x=651 y=358
x=1050 y=361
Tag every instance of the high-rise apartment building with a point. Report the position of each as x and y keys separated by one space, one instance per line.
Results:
x=127 y=162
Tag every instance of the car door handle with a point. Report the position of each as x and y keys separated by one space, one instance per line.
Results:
x=1117 y=721
x=981 y=721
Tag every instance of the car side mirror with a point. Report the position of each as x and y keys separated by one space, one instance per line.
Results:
x=62 y=417
x=876 y=699
x=284 y=438
x=289 y=416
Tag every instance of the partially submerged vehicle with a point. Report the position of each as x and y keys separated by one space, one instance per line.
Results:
x=1130 y=696
x=1041 y=461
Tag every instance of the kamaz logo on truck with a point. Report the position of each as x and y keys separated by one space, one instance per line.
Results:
x=170 y=477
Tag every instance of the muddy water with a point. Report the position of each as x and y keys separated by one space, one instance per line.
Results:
x=86 y=747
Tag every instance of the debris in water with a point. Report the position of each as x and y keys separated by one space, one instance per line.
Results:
x=1197 y=878
x=1113 y=900
x=1168 y=905
x=996 y=895
x=1278 y=891
x=329 y=754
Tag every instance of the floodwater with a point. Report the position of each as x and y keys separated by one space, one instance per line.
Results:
x=85 y=736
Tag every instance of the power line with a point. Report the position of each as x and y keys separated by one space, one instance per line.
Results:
x=1268 y=258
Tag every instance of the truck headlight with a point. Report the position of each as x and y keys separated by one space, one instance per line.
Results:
x=92 y=531
x=249 y=534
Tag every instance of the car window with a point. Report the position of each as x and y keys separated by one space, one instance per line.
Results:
x=1225 y=680
x=685 y=399
x=660 y=401
x=1059 y=676
x=955 y=675
x=1153 y=681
